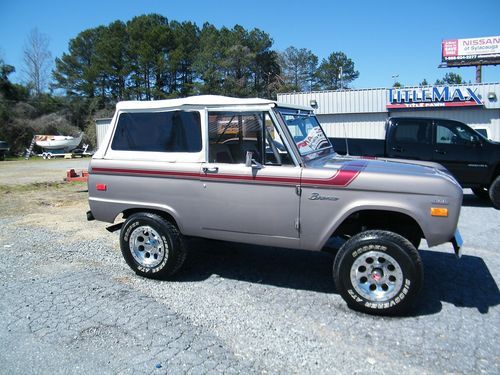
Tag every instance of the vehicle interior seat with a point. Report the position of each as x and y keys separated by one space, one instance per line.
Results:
x=219 y=153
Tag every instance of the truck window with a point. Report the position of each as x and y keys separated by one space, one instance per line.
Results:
x=448 y=132
x=411 y=131
x=174 y=131
x=232 y=134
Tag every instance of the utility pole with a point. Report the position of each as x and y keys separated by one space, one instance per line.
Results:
x=340 y=77
x=478 y=74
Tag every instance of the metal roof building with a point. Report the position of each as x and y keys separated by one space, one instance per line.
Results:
x=362 y=113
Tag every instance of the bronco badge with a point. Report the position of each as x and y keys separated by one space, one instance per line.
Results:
x=318 y=197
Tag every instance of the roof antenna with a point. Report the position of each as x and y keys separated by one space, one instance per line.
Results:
x=346 y=142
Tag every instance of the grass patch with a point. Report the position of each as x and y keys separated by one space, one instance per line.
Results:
x=38 y=186
x=21 y=158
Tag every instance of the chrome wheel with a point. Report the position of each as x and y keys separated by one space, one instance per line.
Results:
x=147 y=246
x=376 y=276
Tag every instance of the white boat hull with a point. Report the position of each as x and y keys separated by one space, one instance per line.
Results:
x=58 y=142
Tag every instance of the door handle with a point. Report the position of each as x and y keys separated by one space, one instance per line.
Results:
x=210 y=169
x=398 y=149
x=438 y=151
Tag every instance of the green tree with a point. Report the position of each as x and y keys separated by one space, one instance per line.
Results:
x=298 y=67
x=424 y=83
x=112 y=58
x=450 y=79
x=11 y=95
x=235 y=62
x=78 y=71
x=186 y=44
x=150 y=43
x=335 y=72
x=207 y=61
x=265 y=66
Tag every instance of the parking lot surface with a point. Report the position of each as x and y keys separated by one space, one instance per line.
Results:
x=70 y=304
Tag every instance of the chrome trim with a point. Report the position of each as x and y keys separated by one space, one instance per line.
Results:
x=376 y=276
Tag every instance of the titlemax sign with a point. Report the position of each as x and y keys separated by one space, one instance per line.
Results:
x=433 y=97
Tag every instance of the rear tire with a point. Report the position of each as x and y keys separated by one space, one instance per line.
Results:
x=378 y=272
x=495 y=193
x=152 y=246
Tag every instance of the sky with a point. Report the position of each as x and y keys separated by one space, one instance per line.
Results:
x=387 y=40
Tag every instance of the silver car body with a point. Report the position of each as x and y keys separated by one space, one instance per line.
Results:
x=294 y=206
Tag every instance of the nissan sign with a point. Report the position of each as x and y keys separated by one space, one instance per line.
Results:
x=472 y=51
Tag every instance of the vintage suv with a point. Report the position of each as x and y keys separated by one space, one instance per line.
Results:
x=256 y=171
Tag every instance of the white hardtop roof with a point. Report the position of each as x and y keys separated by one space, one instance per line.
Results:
x=202 y=101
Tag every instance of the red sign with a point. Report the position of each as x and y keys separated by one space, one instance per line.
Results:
x=431 y=105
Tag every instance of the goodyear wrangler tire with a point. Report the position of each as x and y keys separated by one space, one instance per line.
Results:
x=152 y=246
x=495 y=193
x=378 y=272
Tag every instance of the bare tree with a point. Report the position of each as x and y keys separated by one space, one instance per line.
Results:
x=37 y=60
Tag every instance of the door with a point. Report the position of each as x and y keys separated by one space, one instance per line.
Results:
x=460 y=150
x=248 y=203
x=410 y=139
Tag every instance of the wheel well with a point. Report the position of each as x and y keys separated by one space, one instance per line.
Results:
x=163 y=214
x=496 y=173
x=396 y=222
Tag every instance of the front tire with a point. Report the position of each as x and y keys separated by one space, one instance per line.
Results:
x=495 y=193
x=152 y=246
x=378 y=272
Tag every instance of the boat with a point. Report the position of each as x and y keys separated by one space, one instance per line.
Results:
x=58 y=142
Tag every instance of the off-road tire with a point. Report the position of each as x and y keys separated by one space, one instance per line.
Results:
x=481 y=192
x=494 y=191
x=158 y=237
x=382 y=260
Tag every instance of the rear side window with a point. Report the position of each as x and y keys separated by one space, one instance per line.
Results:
x=175 y=131
x=411 y=131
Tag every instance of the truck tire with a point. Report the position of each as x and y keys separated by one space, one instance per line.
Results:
x=378 y=272
x=152 y=246
x=481 y=192
x=495 y=193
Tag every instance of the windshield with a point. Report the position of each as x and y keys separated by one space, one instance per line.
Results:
x=306 y=132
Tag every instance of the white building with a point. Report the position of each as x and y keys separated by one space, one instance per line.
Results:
x=362 y=113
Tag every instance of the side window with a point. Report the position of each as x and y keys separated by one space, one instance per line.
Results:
x=232 y=134
x=411 y=131
x=453 y=133
x=174 y=131
x=444 y=135
x=276 y=151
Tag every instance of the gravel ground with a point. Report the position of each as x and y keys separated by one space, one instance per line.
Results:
x=70 y=304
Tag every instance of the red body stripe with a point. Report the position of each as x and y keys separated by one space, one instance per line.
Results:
x=342 y=177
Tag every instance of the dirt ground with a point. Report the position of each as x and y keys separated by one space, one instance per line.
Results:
x=34 y=193
x=38 y=170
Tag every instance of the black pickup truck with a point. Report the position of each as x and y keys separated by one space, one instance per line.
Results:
x=468 y=155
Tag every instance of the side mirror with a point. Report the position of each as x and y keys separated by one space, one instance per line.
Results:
x=251 y=162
